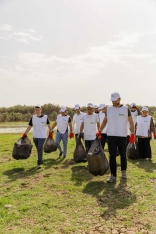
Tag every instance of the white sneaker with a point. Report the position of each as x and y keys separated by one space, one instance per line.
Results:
x=124 y=175
x=111 y=179
x=40 y=166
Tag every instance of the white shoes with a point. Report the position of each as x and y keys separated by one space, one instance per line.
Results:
x=124 y=175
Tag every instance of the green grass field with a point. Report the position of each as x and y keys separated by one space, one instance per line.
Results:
x=64 y=197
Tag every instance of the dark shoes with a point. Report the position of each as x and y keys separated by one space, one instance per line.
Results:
x=60 y=154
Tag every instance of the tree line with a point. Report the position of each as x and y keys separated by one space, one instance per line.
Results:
x=23 y=113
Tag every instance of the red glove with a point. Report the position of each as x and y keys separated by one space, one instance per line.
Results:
x=50 y=135
x=24 y=136
x=154 y=135
x=71 y=135
x=132 y=138
x=98 y=134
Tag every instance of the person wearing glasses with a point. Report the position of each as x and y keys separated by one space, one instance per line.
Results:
x=90 y=122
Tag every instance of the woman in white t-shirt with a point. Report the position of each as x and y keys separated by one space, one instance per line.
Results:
x=144 y=128
x=90 y=122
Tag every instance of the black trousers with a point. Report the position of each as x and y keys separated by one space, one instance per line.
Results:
x=88 y=144
x=115 y=142
x=103 y=140
x=144 y=147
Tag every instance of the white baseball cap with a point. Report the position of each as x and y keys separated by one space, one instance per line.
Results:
x=63 y=109
x=133 y=104
x=90 y=105
x=95 y=106
x=38 y=106
x=115 y=96
x=102 y=106
x=77 y=107
x=144 y=108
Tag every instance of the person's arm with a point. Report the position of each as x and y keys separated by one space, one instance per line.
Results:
x=27 y=130
x=98 y=126
x=70 y=127
x=53 y=126
x=131 y=123
x=73 y=124
x=82 y=127
x=152 y=127
x=48 y=125
x=30 y=124
x=104 y=122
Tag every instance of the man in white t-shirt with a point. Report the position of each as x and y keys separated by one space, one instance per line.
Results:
x=77 y=121
x=101 y=115
x=63 y=121
x=39 y=122
x=96 y=109
x=134 y=112
x=116 y=119
x=90 y=121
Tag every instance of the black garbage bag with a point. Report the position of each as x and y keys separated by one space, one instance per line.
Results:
x=49 y=145
x=132 y=151
x=97 y=161
x=80 y=154
x=22 y=149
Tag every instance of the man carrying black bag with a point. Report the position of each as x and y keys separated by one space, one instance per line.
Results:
x=90 y=121
x=39 y=122
x=117 y=118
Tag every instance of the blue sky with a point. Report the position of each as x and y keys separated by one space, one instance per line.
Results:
x=68 y=52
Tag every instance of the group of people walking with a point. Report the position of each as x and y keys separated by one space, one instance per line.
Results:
x=116 y=124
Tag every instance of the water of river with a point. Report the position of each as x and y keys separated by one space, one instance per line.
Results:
x=14 y=129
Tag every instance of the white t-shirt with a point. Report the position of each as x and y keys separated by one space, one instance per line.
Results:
x=134 y=116
x=143 y=125
x=117 y=119
x=77 y=121
x=39 y=126
x=90 y=126
x=62 y=123
x=101 y=117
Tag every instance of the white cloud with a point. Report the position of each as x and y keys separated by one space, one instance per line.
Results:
x=31 y=30
x=25 y=37
x=88 y=64
x=6 y=27
x=8 y=33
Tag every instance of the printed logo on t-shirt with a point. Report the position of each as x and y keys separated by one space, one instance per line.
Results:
x=92 y=122
x=121 y=114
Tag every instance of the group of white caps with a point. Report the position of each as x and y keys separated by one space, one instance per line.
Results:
x=114 y=96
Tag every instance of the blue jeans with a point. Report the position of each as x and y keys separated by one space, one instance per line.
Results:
x=39 y=146
x=64 y=138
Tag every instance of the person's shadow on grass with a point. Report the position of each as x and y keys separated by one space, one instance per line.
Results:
x=148 y=166
x=110 y=197
x=18 y=173
x=115 y=198
x=80 y=174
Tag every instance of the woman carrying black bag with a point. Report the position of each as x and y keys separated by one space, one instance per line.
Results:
x=39 y=122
